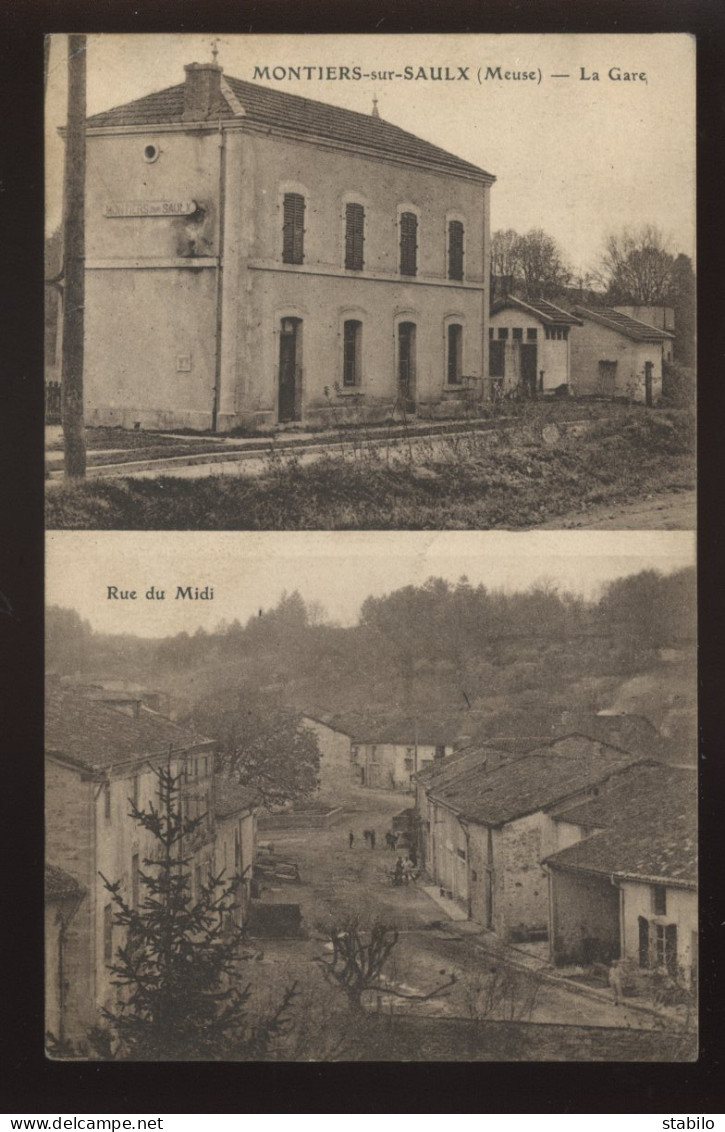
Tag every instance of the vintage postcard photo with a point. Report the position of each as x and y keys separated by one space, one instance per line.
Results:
x=349 y=796
x=389 y=281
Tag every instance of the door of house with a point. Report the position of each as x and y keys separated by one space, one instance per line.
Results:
x=607 y=378
x=528 y=368
x=496 y=358
x=288 y=369
x=648 y=368
x=406 y=365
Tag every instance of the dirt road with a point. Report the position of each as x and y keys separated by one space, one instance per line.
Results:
x=339 y=880
x=669 y=511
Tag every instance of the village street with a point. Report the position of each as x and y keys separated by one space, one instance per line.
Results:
x=337 y=881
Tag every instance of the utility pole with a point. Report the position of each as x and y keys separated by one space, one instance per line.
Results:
x=74 y=441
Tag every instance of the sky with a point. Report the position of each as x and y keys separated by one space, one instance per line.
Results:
x=574 y=156
x=250 y=571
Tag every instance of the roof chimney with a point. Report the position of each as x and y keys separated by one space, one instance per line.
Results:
x=375 y=111
x=202 y=92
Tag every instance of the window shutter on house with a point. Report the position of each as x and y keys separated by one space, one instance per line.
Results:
x=408 y=243
x=293 y=228
x=643 y=942
x=671 y=948
x=354 y=236
x=455 y=250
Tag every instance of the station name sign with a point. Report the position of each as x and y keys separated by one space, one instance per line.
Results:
x=150 y=208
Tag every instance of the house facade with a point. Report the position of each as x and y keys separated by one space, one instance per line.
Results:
x=623 y=883
x=486 y=831
x=255 y=258
x=389 y=756
x=334 y=743
x=529 y=347
x=614 y=355
x=98 y=762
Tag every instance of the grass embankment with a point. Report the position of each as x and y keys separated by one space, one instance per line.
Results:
x=456 y=483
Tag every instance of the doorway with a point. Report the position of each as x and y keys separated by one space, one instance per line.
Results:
x=648 y=368
x=289 y=369
x=528 y=369
x=406 y=365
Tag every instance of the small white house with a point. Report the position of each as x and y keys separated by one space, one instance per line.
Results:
x=529 y=346
x=624 y=881
x=613 y=355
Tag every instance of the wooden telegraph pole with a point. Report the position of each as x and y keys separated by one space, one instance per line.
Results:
x=74 y=263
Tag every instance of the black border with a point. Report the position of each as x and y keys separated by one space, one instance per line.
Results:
x=32 y=1083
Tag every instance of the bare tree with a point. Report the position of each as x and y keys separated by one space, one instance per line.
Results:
x=531 y=265
x=358 y=960
x=637 y=265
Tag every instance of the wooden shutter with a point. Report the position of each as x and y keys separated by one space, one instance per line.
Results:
x=455 y=250
x=671 y=948
x=354 y=236
x=408 y=243
x=643 y=941
x=293 y=228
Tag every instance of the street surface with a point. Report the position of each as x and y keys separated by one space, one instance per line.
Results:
x=338 y=880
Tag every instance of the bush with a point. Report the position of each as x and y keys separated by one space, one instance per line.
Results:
x=679 y=384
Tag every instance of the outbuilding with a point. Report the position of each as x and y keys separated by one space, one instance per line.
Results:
x=615 y=355
x=529 y=346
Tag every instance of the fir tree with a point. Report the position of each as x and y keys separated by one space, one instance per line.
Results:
x=178 y=972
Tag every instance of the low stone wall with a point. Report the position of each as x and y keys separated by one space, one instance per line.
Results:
x=301 y=819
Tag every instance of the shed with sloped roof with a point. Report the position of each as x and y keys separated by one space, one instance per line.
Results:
x=615 y=355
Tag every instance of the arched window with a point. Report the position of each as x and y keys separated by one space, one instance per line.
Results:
x=293 y=228
x=352 y=352
x=454 y=353
x=354 y=236
x=455 y=249
x=408 y=243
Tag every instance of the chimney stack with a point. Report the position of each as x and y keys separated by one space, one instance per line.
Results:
x=202 y=92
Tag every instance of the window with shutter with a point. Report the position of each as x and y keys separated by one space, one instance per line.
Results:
x=293 y=228
x=408 y=243
x=455 y=249
x=352 y=340
x=354 y=236
x=455 y=352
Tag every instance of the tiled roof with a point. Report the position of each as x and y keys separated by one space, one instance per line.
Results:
x=444 y=772
x=516 y=744
x=547 y=313
x=265 y=107
x=648 y=827
x=60 y=885
x=99 y=736
x=231 y=798
x=629 y=327
x=534 y=782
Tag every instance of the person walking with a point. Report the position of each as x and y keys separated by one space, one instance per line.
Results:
x=615 y=981
x=372 y=838
x=351 y=838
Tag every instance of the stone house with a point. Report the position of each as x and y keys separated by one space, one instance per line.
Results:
x=613 y=355
x=388 y=755
x=63 y=897
x=254 y=258
x=529 y=347
x=335 y=757
x=99 y=760
x=623 y=883
x=487 y=830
